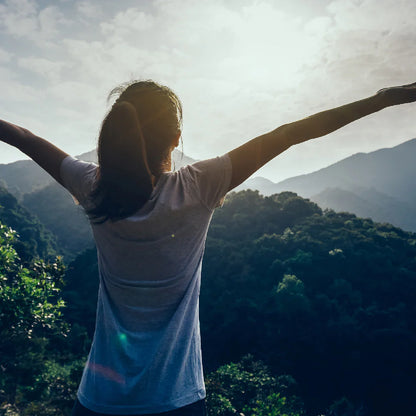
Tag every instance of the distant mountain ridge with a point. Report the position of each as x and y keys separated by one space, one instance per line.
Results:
x=53 y=205
x=24 y=176
x=379 y=184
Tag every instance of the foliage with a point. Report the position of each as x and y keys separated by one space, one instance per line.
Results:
x=53 y=390
x=35 y=240
x=248 y=387
x=343 y=407
x=272 y=405
x=81 y=285
x=327 y=298
x=66 y=221
x=30 y=311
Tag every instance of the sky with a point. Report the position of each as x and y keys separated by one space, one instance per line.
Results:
x=240 y=67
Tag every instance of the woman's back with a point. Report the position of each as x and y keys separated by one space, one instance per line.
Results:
x=150 y=270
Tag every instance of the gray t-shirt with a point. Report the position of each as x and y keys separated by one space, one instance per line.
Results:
x=146 y=352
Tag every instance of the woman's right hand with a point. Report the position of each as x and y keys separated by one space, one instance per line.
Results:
x=398 y=95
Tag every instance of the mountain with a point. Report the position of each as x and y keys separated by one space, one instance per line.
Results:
x=378 y=184
x=55 y=208
x=368 y=202
x=26 y=176
x=35 y=240
x=390 y=171
x=23 y=176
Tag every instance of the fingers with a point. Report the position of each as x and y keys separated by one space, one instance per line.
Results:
x=406 y=86
x=413 y=85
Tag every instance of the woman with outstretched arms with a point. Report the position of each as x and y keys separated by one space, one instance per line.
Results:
x=149 y=226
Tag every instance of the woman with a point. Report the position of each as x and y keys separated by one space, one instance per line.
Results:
x=150 y=226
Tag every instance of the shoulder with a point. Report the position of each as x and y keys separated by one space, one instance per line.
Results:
x=78 y=177
x=71 y=165
x=209 y=178
x=210 y=166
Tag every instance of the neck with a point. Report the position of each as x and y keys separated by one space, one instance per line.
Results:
x=164 y=167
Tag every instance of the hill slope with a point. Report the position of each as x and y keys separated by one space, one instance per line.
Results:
x=26 y=176
x=391 y=171
x=324 y=297
x=379 y=185
x=35 y=240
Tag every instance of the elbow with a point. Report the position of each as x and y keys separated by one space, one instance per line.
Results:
x=287 y=135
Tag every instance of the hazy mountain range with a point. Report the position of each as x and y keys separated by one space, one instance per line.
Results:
x=379 y=185
x=26 y=176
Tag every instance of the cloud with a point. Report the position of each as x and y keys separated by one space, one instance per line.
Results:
x=49 y=20
x=13 y=92
x=371 y=37
x=49 y=69
x=241 y=68
x=25 y=19
x=18 y=17
x=127 y=23
x=5 y=56
x=374 y=15
x=89 y=9
x=364 y=46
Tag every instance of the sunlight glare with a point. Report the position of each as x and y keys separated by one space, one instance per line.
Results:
x=269 y=46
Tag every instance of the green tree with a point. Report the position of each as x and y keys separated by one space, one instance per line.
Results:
x=30 y=316
x=248 y=388
x=272 y=405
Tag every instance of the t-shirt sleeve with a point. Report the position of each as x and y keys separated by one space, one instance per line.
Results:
x=77 y=177
x=212 y=178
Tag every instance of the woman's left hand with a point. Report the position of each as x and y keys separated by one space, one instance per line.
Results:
x=398 y=95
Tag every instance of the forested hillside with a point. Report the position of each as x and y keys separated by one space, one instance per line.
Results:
x=35 y=240
x=327 y=298
x=315 y=309
x=55 y=208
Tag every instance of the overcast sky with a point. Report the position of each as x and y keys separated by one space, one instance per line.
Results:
x=241 y=68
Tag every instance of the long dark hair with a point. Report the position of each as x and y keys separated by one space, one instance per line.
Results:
x=134 y=147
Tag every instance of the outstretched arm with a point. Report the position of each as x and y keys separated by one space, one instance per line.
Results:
x=252 y=155
x=45 y=154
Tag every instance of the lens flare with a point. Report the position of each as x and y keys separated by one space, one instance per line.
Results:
x=122 y=338
x=107 y=372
